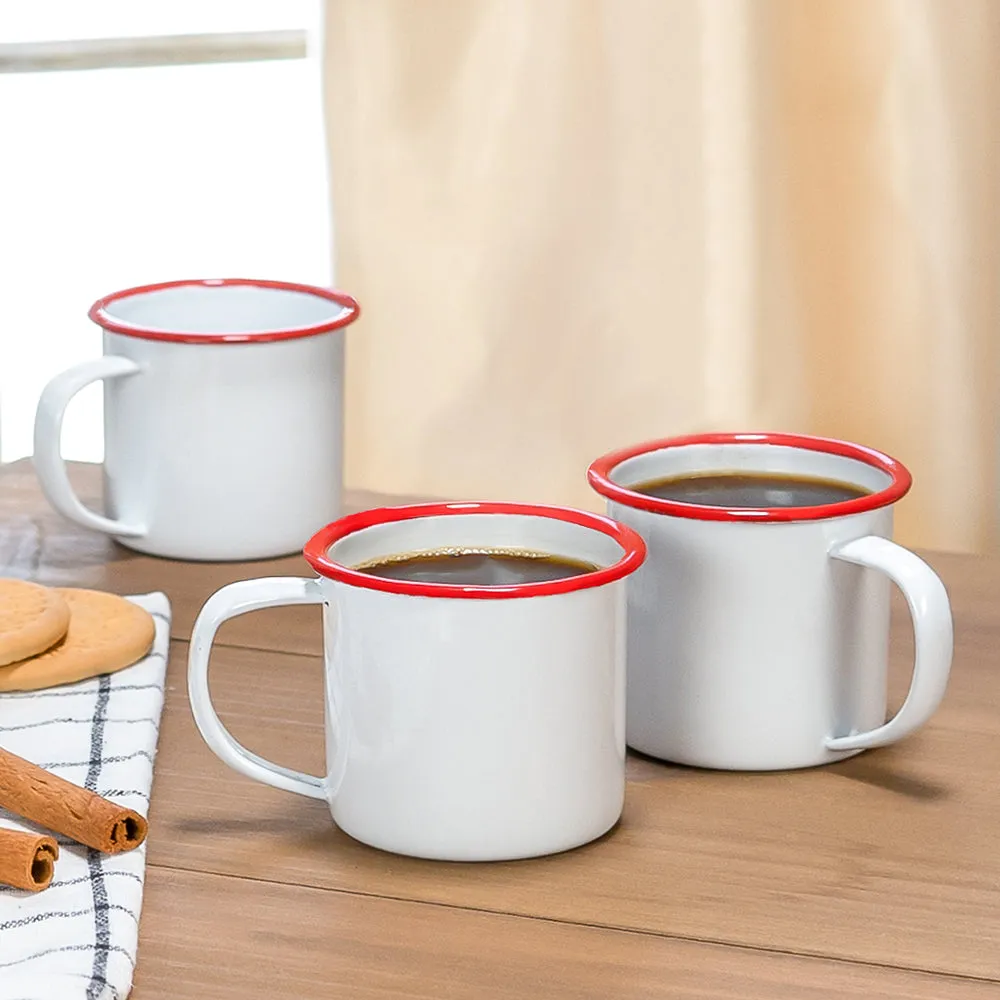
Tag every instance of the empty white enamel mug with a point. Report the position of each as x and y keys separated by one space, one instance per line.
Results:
x=465 y=723
x=758 y=638
x=223 y=417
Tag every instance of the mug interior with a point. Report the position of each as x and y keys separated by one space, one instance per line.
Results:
x=483 y=531
x=207 y=309
x=224 y=310
x=614 y=549
x=748 y=458
x=618 y=474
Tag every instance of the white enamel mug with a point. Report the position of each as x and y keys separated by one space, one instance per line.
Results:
x=223 y=417
x=465 y=723
x=758 y=638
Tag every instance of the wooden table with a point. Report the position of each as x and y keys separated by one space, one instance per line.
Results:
x=876 y=876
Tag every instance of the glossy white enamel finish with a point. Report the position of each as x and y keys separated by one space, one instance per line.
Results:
x=213 y=451
x=764 y=646
x=238 y=599
x=459 y=729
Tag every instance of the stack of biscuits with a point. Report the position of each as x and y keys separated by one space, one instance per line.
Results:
x=59 y=635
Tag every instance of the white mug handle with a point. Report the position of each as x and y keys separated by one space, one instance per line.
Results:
x=49 y=465
x=932 y=633
x=232 y=600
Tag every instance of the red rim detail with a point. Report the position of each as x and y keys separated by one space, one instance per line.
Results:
x=600 y=471
x=316 y=549
x=99 y=314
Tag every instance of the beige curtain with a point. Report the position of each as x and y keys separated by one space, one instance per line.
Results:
x=576 y=224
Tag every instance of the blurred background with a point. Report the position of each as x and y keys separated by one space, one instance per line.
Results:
x=117 y=175
x=571 y=225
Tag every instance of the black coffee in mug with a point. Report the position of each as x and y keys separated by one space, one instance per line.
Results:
x=476 y=567
x=750 y=489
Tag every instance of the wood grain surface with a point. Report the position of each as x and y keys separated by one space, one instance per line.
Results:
x=211 y=938
x=713 y=884
x=892 y=857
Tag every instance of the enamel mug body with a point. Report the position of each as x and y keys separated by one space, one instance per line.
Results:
x=758 y=638
x=465 y=723
x=223 y=418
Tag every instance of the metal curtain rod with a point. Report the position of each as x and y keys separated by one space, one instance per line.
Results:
x=155 y=50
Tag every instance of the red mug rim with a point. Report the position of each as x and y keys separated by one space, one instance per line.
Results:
x=316 y=549
x=600 y=471
x=99 y=314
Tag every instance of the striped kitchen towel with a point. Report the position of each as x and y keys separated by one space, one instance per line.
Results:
x=77 y=939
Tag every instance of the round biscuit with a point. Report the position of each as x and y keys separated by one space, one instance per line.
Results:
x=106 y=633
x=32 y=619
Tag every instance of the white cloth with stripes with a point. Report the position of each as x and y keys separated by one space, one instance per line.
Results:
x=77 y=939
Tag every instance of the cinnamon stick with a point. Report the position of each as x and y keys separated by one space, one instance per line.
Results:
x=59 y=805
x=27 y=860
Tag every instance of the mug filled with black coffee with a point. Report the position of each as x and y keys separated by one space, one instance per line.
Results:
x=475 y=676
x=759 y=623
x=470 y=567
